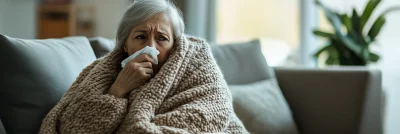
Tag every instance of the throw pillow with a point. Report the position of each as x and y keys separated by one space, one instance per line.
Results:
x=242 y=62
x=35 y=74
x=262 y=108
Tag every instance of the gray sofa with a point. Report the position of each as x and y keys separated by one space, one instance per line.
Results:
x=331 y=101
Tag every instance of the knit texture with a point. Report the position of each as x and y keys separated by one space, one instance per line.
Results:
x=188 y=95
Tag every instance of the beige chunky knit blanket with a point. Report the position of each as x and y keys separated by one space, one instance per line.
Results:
x=188 y=95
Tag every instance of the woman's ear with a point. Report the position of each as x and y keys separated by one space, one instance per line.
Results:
x=125 y=49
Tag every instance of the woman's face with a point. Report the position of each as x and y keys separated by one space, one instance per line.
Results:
x=155 y=32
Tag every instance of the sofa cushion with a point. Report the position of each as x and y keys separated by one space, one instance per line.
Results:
x=101 y=46
x=242 y=63
x=262 y=108
x=35 y=74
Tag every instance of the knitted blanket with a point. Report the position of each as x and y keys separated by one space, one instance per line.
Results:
x=188 y=95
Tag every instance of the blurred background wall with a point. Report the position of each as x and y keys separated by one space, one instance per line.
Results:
x=21 y=14
x=107 y=15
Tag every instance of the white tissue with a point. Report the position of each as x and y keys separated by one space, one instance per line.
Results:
x=153 y=52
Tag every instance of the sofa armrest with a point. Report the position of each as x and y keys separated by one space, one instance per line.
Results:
x=345 y=100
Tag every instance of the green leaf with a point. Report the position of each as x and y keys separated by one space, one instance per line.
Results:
x=332 y=17
x=347 y=22
x=379 y=23
x=323 y=34
x=365 y=55
x=330 y=60
x=373 y=57
x=376 y=27
x=397 y=8
x=327 y=47
x=355 y=19
x=369 y=9
x=335 y=21
x=333 y=57
x=352 y=45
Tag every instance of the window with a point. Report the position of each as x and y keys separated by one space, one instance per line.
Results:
x=275 y=22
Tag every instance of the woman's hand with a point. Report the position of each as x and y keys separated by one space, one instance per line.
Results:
x=136 y=72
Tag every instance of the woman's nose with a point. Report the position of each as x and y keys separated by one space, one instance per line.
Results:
x=151 y=43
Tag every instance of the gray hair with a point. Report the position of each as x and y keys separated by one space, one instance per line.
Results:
x=141 y=10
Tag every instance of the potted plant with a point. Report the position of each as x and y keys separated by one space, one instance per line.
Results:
x=350 y=42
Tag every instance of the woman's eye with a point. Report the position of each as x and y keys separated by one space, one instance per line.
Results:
x=139 y=37
x=162 y=38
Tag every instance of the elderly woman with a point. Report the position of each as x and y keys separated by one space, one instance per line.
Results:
x=181 y=90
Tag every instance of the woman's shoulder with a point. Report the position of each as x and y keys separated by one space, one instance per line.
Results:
x=191 y=38
x=197 y=43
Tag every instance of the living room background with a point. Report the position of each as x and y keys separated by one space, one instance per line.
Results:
x=278 y=23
